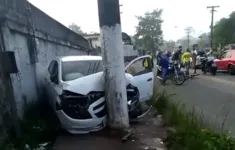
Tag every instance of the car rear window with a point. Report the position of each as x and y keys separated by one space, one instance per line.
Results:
x=76 y=69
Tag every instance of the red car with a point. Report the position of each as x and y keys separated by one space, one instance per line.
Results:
x=226 y=61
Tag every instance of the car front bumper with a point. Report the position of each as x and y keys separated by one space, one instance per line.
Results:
x=81 y=126
x=97 y=121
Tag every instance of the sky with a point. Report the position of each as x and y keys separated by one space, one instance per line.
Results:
x=177 y=14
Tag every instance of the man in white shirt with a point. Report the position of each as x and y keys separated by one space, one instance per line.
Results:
x=194 y=60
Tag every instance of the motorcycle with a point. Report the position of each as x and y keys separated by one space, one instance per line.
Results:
x=173 y=73
x=208 y=66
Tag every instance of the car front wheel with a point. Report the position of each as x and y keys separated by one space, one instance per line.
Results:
x=231 y=70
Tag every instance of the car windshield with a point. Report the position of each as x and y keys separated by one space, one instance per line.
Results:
x=72 y=70
x=233 y=46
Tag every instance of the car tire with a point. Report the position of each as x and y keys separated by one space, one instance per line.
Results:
x=231 y=70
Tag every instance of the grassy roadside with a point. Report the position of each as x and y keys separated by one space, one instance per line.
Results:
x=190 y=130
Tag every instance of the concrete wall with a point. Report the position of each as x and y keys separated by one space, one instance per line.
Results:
x=5 y=111
x=21 y=11
x=33 y=52
x=27 y=82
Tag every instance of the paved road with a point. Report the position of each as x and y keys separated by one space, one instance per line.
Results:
x=215 y=96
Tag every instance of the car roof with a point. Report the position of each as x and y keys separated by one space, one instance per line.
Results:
x=78 y=58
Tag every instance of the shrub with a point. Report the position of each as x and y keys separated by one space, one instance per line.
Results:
x=39 y=125
x=191 y=130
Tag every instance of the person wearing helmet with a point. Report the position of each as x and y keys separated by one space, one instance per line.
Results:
x=165 y=65
x=177 y=55
x=186 y=60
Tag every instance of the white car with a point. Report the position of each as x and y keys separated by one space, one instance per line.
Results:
x=75 y=89
x=199 y=59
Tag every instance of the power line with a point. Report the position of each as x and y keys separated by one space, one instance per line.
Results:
x=212 y=21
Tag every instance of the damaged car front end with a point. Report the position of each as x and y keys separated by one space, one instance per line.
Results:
x=76 y=93
x=82 y=113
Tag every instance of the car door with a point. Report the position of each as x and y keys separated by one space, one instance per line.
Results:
x=226 y=60
x=219 y=62
x=143 y=77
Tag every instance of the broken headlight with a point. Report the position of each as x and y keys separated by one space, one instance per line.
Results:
x=75 y=105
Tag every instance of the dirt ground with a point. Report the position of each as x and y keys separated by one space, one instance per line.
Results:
x=147 y=135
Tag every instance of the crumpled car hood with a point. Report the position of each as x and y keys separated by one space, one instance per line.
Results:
x=94 y=82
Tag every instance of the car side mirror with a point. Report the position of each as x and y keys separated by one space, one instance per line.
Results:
x=54 y=79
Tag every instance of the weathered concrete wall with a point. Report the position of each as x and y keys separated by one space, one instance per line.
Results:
x=27 y=82
x=52 y=39
x=21 y=11
x=4 y=110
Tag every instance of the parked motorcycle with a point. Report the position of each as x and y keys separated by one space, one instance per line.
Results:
x=208 y=66
x=176 y=76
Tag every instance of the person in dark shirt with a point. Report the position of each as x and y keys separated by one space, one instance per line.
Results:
x=159 y=56
x=165 y=65
x=177 y=56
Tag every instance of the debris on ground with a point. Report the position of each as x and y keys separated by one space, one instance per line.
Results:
x=146 y=134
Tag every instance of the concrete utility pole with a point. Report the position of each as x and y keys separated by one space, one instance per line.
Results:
x=188 y=31
x=113 y=60
x=212 y=21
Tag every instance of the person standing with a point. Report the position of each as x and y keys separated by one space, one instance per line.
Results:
x=165 y=65
x=177 y=56
x=186 y=60
x=159 y=56
x=146 y=62
x=194 y=60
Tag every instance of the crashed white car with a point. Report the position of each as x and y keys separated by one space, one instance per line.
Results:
x=75 y=89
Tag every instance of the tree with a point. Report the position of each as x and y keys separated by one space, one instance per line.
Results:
x=76 y=28
x=149 y=32
x=170 y=44
x=224 y=31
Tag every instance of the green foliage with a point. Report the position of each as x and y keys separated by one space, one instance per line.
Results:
x=39 y=125
x=76 y=28
x=191 y=130
x=224 y=31
x=148 y=31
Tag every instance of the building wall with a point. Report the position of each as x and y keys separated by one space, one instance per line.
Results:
x=129 y=52
x=95 y=39
x=16 y=34
x=27 y=83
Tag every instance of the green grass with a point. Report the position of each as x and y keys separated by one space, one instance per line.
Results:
x=39 y=125
x=191 y=130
